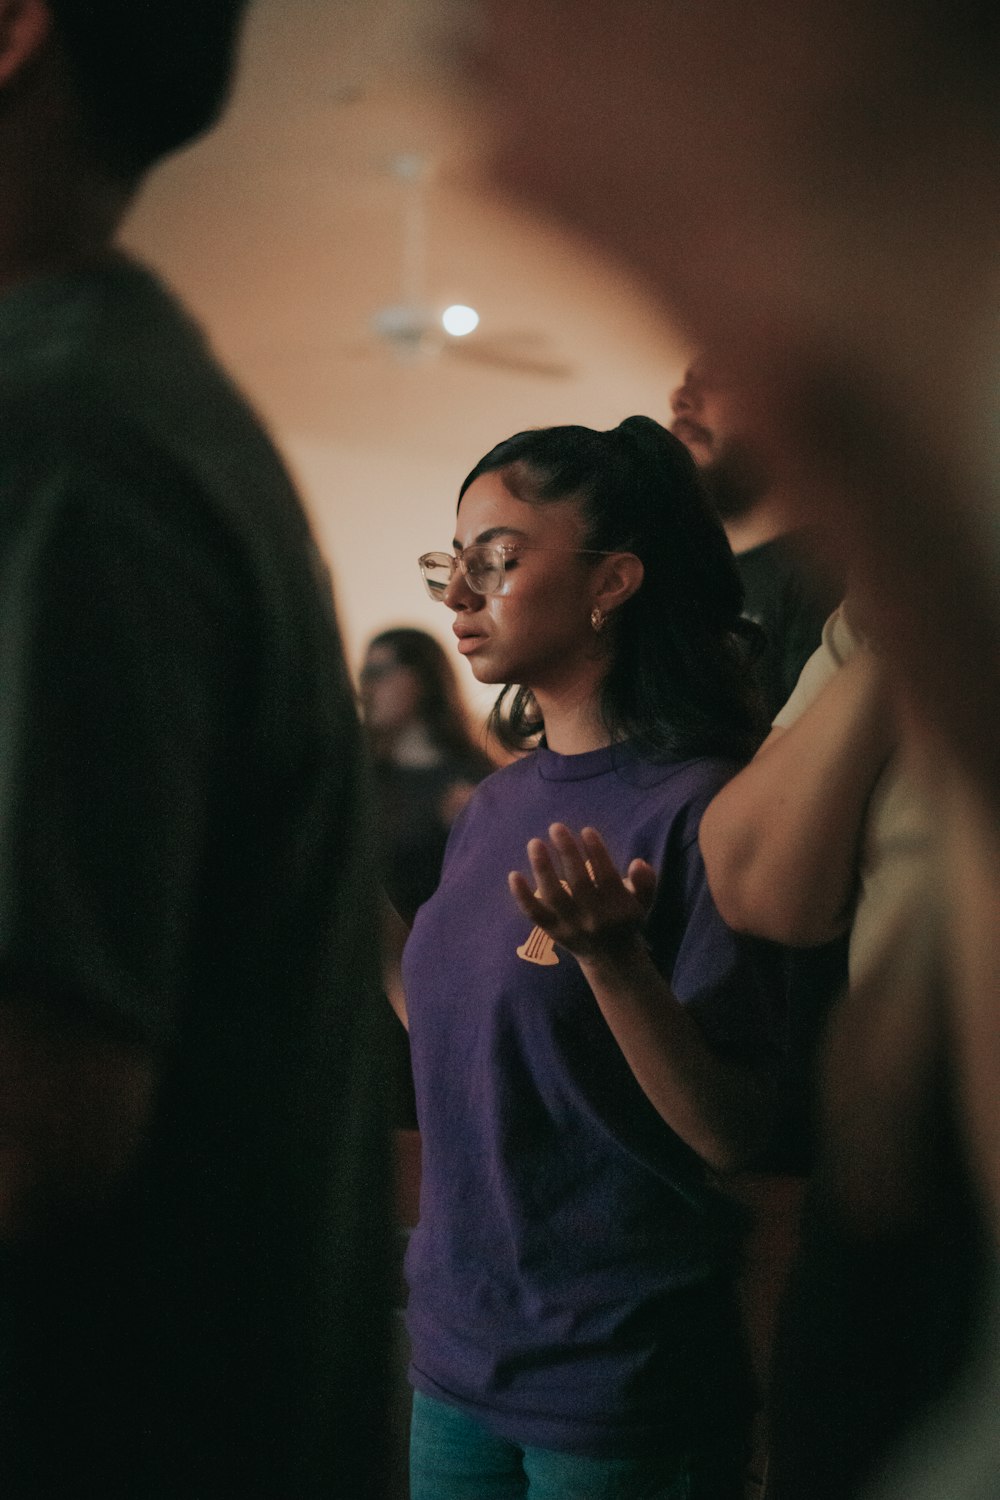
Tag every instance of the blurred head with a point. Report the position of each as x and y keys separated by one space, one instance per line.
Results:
x=150 y=74
x=707 y=421
x=407 y=678
x=673 y=643
x=390 y=692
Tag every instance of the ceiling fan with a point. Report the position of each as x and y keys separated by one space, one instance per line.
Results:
x=411 y=329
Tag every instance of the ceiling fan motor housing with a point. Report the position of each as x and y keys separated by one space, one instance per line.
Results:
x=405 y=326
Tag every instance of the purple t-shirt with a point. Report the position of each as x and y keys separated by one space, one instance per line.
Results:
x=560 y=1217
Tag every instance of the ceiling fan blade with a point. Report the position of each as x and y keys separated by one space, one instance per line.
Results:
x=499 y=356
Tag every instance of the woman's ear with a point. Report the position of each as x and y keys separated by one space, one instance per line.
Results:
x=24 y=29
x=619 y=577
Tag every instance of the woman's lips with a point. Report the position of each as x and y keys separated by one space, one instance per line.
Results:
x=467 y=643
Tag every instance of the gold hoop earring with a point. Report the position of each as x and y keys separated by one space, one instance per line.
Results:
x=597 y=619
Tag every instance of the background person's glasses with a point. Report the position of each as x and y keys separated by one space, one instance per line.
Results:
x=483 y=565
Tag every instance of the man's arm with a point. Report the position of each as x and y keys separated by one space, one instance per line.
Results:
x=781 y=840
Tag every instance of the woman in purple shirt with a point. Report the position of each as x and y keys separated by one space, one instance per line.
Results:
x=591 y=1044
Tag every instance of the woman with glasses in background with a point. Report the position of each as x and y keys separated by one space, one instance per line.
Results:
x=425 y=760
x=591 y=1043
x=425 y=754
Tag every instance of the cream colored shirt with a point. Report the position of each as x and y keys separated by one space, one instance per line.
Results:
x=896 y=897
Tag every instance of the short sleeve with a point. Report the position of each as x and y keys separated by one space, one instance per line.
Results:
x=836 y=645
x=732 y=984
x=116 y=685
x=800 y=629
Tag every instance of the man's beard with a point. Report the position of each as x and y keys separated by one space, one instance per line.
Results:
x=734 y=481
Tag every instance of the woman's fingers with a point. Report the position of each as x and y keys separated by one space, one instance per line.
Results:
x=579 y=870
x=554 y=904
x=550 y=889
x=603 y=870
x=578 y=891
x=641 y=881
x=574 y=867
x=538 y=914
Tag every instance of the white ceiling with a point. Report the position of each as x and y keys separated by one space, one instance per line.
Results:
x=284 y=232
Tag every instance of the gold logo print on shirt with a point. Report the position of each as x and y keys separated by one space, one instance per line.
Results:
x=539 y=948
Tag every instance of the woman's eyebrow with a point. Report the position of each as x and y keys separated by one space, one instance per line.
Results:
x=490 y=535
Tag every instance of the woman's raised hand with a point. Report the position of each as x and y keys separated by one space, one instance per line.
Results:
x=580 y=898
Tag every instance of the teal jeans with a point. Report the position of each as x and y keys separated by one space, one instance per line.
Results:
x=453 y=1457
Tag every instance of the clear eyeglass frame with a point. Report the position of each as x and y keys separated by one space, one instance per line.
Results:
x=483 y=564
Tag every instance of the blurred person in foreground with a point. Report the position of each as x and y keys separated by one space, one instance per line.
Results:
x=832 y=829
x=192 y=1200
x=812 y=194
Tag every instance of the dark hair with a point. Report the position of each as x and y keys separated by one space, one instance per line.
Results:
x=680 y=681
x=441 y=708
x=151 y=74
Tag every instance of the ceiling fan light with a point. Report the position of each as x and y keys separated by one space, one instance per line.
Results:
x=459 y=320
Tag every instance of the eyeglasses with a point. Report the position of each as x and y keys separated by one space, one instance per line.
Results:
x=483 y=565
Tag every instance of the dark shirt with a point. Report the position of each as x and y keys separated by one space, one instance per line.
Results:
x=182 y=826
x=784 y=594
x=415 y=817
x=414 y=820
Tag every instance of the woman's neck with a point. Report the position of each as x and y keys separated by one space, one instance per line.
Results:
x=573 y=725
